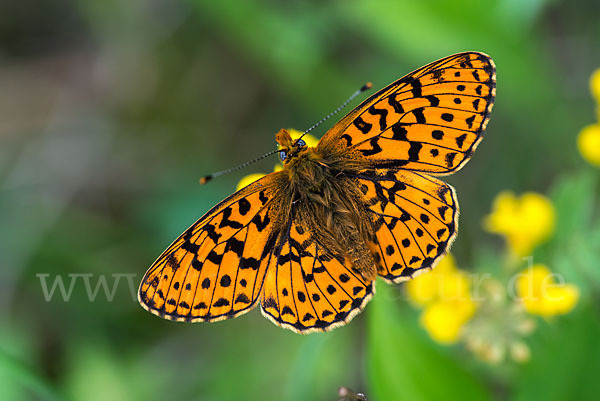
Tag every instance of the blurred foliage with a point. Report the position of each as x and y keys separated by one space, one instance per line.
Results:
x=111 y=110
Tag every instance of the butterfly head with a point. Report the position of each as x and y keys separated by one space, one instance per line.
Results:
x=288 y=147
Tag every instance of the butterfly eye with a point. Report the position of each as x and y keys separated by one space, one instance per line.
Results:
x=282 y=155
x=301 y=143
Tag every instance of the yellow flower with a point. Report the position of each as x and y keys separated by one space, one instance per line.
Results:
x=595 y=84
x=525 y=222
x=444 y=293
x=541 y=295
x=444 y=320
x=310 y=141
x=588 y=142
x=444 y=282
x=249 y=179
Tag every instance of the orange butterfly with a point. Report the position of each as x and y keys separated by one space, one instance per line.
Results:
x=309 y=240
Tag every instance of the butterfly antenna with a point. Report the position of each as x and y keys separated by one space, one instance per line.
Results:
x=209 y=177
x=365 y=87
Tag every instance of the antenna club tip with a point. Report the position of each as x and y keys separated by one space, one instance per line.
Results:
x=366 y=86
x=205 y=179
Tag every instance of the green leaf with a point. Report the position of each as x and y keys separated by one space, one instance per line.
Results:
x=574 y=249
x=20 y=382
x=573 y=197
x=405 y=365
x=565 y=360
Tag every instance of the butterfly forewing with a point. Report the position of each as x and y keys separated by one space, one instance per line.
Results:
x=215 y=269
x=429 y=121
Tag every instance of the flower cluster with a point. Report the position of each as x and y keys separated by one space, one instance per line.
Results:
x=525 y=221
x=500 y=326
x=493 y=316
x=588 y=140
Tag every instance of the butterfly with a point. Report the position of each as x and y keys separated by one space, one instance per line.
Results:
x=308 y=242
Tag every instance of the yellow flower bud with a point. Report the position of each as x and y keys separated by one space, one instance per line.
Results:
x=588 y=143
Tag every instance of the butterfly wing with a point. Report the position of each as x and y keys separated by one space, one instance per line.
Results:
x=215 y=269
x=431 y=120
x=307 y=289
x=415 y=220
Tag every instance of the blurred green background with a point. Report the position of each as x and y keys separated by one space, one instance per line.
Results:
x=110 y=111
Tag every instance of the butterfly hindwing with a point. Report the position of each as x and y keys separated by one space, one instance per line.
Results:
x=430 y=121
x=306 y=289
x=215 y=269
x=415 y=218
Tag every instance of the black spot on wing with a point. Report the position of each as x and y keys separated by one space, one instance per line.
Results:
x=307 y=317
x=259 y=223
x=196 y=264
x=287 y=311
x=225 y=222
x=419 y=116
x=214 y=257
x=434 y=101
x=261 y=196
x=437 y=134
x=190 y=247
x=221 y=302
x=270 y=303
x=395 y=104
x=413 y=151
x=200 y=305
x=172 y=262
x=210 y=231
x=415 y=85
x=244 y=206
x=382 y=113
x=362 y=126
x=249 y=263
x=470 y=120
x=447 y=117
x=375 y=148
x=399 y=132
x=348 y=139
x=242 y=298
x=450 y=159
x=236 y=246
x=225 y=281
